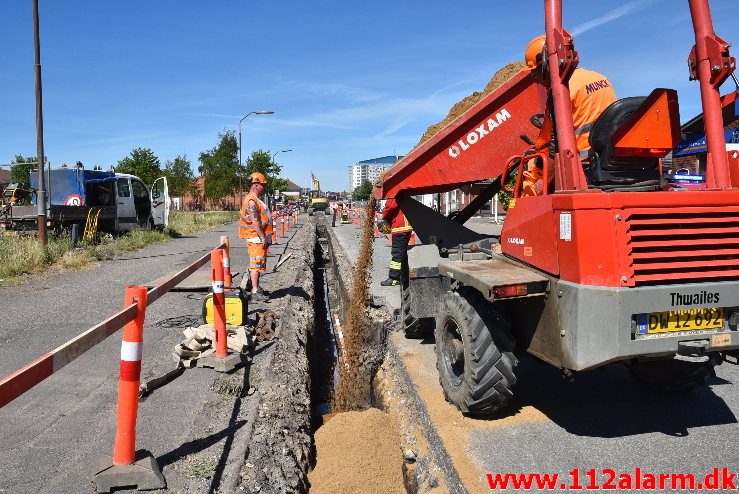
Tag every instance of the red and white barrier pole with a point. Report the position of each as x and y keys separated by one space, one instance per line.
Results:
x=227 y=278
x=130 y=377
x=222 y=361
x=219 y=303
x=124 y=470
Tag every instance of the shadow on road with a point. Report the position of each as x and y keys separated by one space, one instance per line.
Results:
x=607 y=403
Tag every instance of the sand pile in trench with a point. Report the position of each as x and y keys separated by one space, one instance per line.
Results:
x=497 y=80
x=360 y=340
x=358 y=452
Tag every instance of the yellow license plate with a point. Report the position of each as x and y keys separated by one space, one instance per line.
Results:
x=680 y=320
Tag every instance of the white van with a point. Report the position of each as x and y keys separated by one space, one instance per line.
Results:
x=139 y=207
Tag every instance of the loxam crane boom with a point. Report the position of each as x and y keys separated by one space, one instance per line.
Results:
x=608 y=265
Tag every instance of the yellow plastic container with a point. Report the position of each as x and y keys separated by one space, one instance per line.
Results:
x=236 y=309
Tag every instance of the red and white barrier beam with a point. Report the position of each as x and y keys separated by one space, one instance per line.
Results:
x=20 y=381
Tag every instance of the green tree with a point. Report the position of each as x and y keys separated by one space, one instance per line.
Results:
x=22 y=172
x=363 y=192
x=261 y=161
x=179 y=176
x=220 y=167
x=142 y=163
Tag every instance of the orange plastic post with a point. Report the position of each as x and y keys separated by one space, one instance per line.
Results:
x=282 y=226
x=227 y=279
x=219 y=302
x=274 y=232
x=124 y=448
x=412 y=241
x=287 y=222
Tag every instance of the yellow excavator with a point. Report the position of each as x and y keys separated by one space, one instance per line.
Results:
x=318 y=202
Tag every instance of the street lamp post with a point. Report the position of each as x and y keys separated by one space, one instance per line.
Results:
x=260 y=112
x=41 y=194
x=280 y=151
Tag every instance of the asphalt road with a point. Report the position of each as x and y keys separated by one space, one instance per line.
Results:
x=51 y=435
x=601 y=420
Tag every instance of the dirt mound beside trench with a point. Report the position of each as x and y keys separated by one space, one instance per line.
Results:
x=498 y=80
x=358 y=452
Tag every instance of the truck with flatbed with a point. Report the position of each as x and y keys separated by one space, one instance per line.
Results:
x=119 y=202
x=606 y=265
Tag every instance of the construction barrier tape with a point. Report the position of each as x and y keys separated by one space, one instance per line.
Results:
x=131 y=351
x=218 y=286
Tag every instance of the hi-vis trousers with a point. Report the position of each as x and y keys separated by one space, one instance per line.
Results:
x=399 y=253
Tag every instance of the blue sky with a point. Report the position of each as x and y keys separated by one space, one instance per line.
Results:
x=348 y=81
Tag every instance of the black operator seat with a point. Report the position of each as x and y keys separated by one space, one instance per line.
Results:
x=612 y=167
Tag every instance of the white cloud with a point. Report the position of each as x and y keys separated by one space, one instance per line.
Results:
x=389 y=115
x=354 y=93
x=611 y=15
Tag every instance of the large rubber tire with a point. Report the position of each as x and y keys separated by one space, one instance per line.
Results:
x=412 y=326
x=474 y=353
x=672 y=376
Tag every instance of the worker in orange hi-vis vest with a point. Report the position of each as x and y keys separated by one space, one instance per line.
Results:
x=590 y=93
x=255 y=226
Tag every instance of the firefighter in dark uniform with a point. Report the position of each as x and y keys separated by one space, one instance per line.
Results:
x=400 y=231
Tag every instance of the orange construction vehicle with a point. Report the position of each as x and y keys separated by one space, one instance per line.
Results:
x=608 y=264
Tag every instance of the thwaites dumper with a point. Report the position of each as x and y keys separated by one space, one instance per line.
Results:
x=608 y=265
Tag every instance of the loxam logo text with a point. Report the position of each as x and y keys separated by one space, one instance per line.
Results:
x=474 y=137
x=516 y=240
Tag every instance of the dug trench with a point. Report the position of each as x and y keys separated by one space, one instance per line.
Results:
x=338 y=412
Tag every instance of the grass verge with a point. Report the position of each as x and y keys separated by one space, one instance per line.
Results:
x=21 y=254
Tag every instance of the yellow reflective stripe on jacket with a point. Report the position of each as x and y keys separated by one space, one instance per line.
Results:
x=402 y=229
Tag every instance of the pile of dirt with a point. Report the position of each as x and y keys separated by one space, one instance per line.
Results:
x=498 y=79
x=360 y=339
x=358 y=452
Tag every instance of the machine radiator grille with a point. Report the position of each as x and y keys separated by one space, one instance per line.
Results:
x=682 y=247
